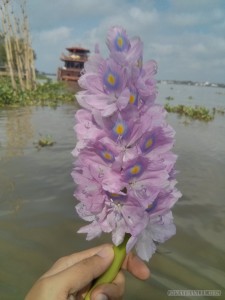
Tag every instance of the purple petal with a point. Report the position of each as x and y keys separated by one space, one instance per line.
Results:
x=145 y=246
x=93 y=230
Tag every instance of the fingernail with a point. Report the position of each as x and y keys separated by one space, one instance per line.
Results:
x=106 y=252
x=101 y=297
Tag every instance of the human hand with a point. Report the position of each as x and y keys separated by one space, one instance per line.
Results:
x=71 y=276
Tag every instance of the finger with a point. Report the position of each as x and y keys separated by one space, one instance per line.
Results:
x=81 y=274
x=113 y=291
x=67 y=261
x=136 y=267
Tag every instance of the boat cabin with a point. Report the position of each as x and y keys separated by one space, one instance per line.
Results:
x=73 y=64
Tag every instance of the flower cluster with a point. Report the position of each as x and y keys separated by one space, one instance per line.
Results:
x=124 y=168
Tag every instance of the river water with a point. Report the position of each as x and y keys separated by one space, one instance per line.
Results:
x=37 y=219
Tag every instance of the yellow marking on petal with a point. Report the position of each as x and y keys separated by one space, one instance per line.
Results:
x=107 y=155
x=111 y=79
x=132 y=99
x=135 y=169
x=120 y=41
x=149 y=143
x=114 y=195
x=120 y=129
x=150 y=206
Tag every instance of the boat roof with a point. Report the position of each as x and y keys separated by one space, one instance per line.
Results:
x=76 y=49
x=72 y=59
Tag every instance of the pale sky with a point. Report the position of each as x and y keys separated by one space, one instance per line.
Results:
x=185 y=37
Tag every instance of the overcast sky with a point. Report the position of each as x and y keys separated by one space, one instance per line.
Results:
x=185 y=37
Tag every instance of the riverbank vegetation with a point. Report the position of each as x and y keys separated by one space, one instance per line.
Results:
x=46 y=93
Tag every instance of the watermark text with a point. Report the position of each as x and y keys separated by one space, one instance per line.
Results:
x=188 y=293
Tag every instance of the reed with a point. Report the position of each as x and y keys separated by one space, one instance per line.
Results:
x=19 y=53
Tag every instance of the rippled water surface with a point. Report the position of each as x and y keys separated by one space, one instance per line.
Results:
x=37 y=219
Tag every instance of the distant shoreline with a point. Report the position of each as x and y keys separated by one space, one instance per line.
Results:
x=181 y=82
x=192 y=83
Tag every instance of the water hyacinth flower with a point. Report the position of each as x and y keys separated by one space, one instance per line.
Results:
x=124 y=167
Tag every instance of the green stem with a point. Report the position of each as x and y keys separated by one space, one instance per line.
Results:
x=110 y=274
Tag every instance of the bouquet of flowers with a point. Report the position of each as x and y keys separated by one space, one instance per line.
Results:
x=124 y=167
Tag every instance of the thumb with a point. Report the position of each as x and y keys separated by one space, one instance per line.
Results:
x=81 y=274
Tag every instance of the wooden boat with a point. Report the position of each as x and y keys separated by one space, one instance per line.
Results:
x=73 y=64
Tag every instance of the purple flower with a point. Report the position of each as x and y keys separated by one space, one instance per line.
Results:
x=144 y=178
x=125 y=167
x=117 y=217
x=117 y=40
x=109 y=92
x=113 y=77
x=156 y=141
x=86 y=130
x=126 y=52
x=158 y=229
